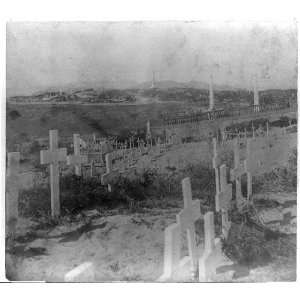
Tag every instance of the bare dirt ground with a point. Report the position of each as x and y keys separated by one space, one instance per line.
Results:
x=129 y=247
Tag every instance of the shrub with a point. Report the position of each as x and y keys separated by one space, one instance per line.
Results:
x=14 y=114
x=78 y=193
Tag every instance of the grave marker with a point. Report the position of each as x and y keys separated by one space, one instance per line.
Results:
x=213 y=250
x=187 y=218
x=53 y=157
x=172 y=250
x=77 y=159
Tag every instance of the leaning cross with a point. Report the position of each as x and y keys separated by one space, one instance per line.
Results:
x=76 y=159
x=12 y=191
x=187 y=218
x=53 y=157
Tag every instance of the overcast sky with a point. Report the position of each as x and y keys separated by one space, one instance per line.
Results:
x=43 y=55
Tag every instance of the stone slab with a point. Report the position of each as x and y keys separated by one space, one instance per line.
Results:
x=83 y=273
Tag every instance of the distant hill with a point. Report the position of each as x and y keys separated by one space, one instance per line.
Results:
x=167 y=84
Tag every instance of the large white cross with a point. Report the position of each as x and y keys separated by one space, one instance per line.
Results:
x=53 y=157
x=12 y=191
x=187 y=218
x=77 y=159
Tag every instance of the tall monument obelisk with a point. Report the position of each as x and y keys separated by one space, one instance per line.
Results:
x=256 y=96
x=211 y=94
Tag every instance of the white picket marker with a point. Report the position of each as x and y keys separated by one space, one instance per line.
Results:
x=77 y=159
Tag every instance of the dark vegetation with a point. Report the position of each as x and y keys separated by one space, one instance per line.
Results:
x=150 y=190
x=14 y=114
x=251 y=244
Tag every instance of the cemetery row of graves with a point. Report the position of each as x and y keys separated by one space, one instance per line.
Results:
x=251 y=157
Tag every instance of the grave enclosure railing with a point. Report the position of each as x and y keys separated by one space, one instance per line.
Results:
x=222 y=113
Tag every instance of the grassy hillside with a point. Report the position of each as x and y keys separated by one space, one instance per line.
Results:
x=24 y=122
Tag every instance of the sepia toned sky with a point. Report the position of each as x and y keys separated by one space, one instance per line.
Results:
x=46 y=55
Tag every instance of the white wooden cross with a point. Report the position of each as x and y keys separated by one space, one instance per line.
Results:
x=111 y=175
x=172 y=250
x=12 y=191
x=53 y=157
x=77 y=159
x=187 y=218
x=223 y=200
x=212 y=257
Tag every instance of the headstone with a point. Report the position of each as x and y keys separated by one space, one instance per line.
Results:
x=53 y=157
x=12 y=191
x=77 y=159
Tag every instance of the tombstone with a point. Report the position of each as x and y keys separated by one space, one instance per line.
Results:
x=187 y=218
x=53 y=157
x=12 y=192
x=77 y=159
